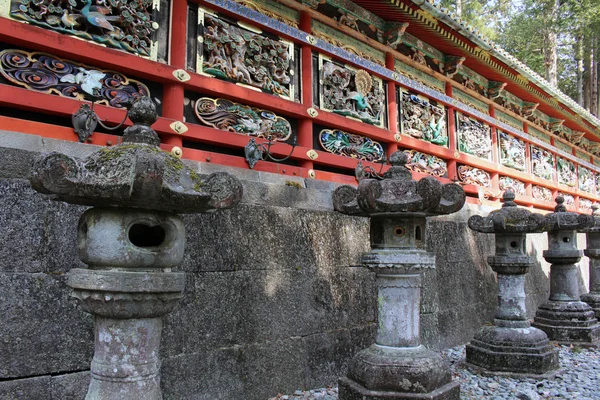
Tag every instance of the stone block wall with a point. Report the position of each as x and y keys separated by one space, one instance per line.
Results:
x=275 y=299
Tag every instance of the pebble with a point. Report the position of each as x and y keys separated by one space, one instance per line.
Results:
x=578 y=379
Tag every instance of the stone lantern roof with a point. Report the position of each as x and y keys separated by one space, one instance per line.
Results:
x=397 y=193
x=563 y=220
x=508 y=219
x=135 y=173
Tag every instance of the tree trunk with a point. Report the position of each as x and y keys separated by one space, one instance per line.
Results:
x=587 y=73
x=579 y=59
x=594 y=76
x=459 y=8
x=550 y=44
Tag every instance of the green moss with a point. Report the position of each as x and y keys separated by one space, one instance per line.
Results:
x=297 y=185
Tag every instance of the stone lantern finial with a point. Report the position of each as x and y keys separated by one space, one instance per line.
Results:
x=130 y=239
x=564 y=317
x=397 y=365
x=511 y=345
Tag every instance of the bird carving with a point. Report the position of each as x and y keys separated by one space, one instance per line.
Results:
x=98 y=17
x=363 y=83
x=69 y=20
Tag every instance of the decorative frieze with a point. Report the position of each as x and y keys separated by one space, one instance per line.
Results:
x=474 y=137
x=350 y=92
x=275 y=10
x=423 y=119
x=420 y=76
x=512 y=151
x=474 y=176
x=229 y=116
x=507 y=183
x=49 y=74
x=426 y=163
x=587 y=180
x=470 y=101
x=244 y=55
x=541 y=193
x=539 y=134
x=347 y=144
x=121 y=24
x=585 y=204
x=542 y=163
x=567 y=173
x=508 y=119
x=569 y=199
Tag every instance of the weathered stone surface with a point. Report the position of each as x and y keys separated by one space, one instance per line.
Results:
x=16 y=163
x=41 y=332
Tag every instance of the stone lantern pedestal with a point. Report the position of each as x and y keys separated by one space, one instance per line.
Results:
x=593 y=252
x=564 y=317
x=397 y=366
x=511 y=345
x=130 y=240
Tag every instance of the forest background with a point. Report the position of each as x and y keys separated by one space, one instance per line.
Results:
x=559 y=39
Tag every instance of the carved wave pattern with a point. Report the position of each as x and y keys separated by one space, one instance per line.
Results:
x=48 y=74
x=351 y=93
x=120 y=24
x=474 y=137
x=567 y=174
x=542 y=163
x=426 y=163
x=423 y=120
x=587 y=181
x=233 y=117
x=541 y=193
x=238 y=55
x=512 y=185
x=350 y=145
x=474 y=176
x=512 y=151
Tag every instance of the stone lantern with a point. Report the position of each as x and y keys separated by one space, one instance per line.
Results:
x=130 y=240
x=511 y=345
x=593 y=252
x=564 y=317
x=397 y=366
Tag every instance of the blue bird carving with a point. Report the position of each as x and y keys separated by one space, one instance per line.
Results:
x=98 y=19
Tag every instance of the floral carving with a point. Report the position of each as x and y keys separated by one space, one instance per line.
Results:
x=121 y=24
x=352 y=93
x=512 y=185
x=512 y=151
x=585 y=203
x=423 y=120
x=229 y=116
x=587 y=181
x=542 y=163
x=238 y=55
x=567 y=174
x=48 y=74
x=474 y=176
x=426 y=163
x=541 y=193
x=350 y=145
x=474 y=137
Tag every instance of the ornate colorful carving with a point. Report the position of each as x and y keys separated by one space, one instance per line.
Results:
x=122 y=24
x=541 y=193
x=426 y=163
x=48 y=74
x=587 y=180
x=239 y=55
x=229 y=116
x=585 y=203
x=474 y=137
x=423 y=119
x=350 y=145
x=452 y=64
x=352 y=93
x=567 y=174
x=542 y=163
x=495 y=89
x=273 y=10
x=394 y=32
x=513 y=185
x=512 y=151
x=474 y=176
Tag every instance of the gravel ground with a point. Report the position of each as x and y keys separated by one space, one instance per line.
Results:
x=579 y=379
